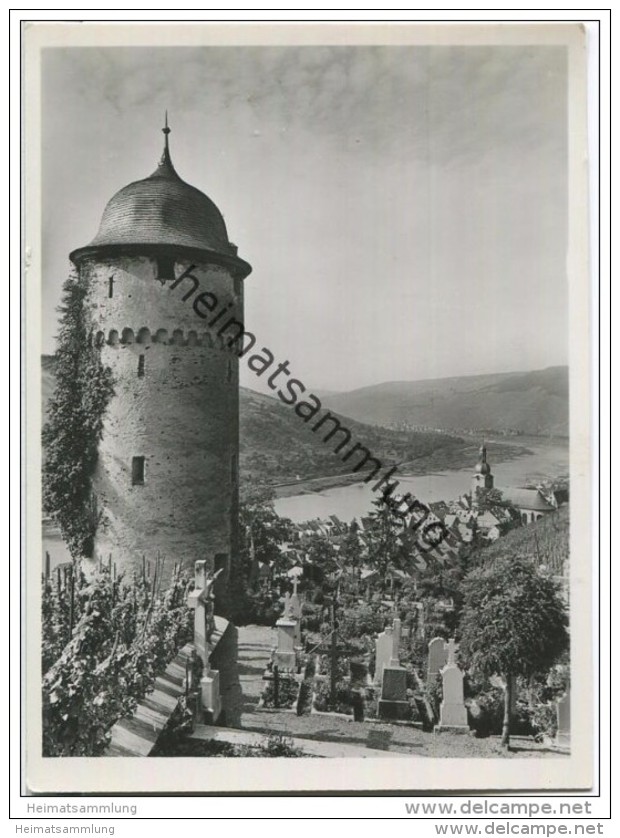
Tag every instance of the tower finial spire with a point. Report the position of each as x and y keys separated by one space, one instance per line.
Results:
x=165 y=168
x=166 y=131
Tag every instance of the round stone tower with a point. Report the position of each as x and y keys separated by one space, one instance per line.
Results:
x=158 y=272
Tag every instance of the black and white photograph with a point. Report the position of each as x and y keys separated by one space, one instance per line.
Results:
x=309 y=444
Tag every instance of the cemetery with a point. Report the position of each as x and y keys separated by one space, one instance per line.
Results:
x=389 y=656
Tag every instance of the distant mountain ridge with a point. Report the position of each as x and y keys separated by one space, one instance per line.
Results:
x=533 y=402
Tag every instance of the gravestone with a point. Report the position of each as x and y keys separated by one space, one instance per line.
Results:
x=393 y=703
x=437 y=657
x=284 y=655
x=394 y=658
x=359 y=673
x=452 y=712
x=295 y=612
x=562 y=736
x=357 y=701
x=383 y=652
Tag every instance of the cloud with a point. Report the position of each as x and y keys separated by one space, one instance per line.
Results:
x=391 y=176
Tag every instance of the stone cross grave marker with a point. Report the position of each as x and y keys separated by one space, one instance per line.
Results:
x=201 y=600
x=196 y=602
x=288 y=635
x=287 y=605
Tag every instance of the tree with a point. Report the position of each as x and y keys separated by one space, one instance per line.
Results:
x=262 y=533
x=388 y=542
x=514 y=622
x=74 y=427
x=487 y=498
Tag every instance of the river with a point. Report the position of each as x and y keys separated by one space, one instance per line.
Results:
x=547 y=460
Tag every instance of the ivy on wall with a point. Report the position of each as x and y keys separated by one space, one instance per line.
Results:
x=75 y=421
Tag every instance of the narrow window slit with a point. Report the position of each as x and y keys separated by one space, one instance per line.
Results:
x=137 y=471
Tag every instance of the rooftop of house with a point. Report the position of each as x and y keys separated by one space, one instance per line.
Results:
x=530 y=499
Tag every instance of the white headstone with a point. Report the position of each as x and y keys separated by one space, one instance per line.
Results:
x=394 y=659
x=452 y=713
x=437 y=656
x=563 y=719
x=451 y=651
x=384 y=645
x=285 y=651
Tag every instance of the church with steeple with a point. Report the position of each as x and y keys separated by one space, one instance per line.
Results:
x=482 y=477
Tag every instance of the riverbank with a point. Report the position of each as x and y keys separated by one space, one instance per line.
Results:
x=435 y=463
x=511 y=466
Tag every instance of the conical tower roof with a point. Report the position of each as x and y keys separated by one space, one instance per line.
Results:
x=163 y=210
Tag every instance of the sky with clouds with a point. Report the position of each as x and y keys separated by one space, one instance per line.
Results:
x=404 y=208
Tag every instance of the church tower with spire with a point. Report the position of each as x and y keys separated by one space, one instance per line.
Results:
x=482 y=477
x=166 y=479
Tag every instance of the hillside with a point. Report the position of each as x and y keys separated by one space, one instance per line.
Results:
x=276 y=446
x=526 y=402
x=546 y=541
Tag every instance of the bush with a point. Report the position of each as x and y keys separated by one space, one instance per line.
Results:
x=265 y=610
x=486 y=712
x=434 y=693
x=304 y=700
x=544 y=720
x=274 y=745
x=361 y=620
x=543 y=693
x=123 y=637
x=343 y=702
x=312 y=617
x=371 y=702
x=74 y=423
x=288 y=689
x=279 y=746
